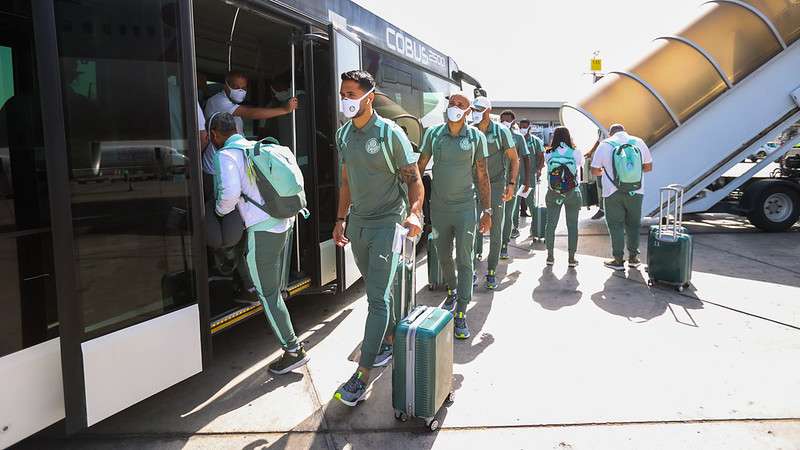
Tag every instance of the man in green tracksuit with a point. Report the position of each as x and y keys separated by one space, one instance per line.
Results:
x=503 y=167
x=623 y=209
x=511 y=220
x=376 y=157
x=457 y=150
x=536 y=157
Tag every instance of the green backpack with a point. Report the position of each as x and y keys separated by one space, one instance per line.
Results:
x=278 y=177
x=626 y=166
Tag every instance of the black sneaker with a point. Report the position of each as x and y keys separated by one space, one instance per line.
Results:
x=514 y=233
x=634 y=262
x=290 y=361
x=598 y=215
x=247 y=297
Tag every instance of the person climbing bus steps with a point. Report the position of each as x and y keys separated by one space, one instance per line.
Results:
x=375 y=158
x=562 y=162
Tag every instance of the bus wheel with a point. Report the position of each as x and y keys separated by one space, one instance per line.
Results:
x=776 y=208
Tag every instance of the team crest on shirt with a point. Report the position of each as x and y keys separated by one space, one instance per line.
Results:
x=372 y=146
x=464 y=144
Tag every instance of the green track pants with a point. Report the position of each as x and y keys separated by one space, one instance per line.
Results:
x=496 y=233
x=459 y=226
x=572 y=204
x=267 y=260
x=624 y=219
x=372 y=248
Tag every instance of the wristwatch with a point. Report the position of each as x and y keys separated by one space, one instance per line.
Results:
x=488 y=211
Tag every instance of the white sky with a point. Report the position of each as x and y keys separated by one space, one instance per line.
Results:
x=537 y=49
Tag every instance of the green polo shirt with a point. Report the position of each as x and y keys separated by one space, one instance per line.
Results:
x=454 y=159
x=535 y=145
x=373 y=169
x=498 y=140
x=520 y=144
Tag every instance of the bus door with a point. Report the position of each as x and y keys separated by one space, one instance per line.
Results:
x=121 y=130
x=346 y=57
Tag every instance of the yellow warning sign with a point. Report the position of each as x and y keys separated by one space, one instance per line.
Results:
x=597 y=65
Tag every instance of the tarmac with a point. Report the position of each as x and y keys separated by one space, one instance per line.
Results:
x=558 y=359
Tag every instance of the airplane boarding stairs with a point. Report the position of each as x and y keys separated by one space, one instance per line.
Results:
x=705 y=99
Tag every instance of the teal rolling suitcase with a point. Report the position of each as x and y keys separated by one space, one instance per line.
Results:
x=422 y=373
x=435 y=279
x=670 y=248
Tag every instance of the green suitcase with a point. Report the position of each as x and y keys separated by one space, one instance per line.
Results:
x=422 y=375
x=422 y=372
x=670 y=249
x=435 y=279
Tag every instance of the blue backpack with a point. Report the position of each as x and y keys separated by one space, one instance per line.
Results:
x=562 y=171
x=626 y=166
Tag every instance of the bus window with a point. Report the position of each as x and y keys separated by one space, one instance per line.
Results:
x=415 y=99
x=127 y=148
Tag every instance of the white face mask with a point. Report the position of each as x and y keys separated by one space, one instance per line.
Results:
x=455 y=114
x=524 y=130
x=236 y=95
x=477 y=117
x=350 y=107
x=282 y=96
x=508 y=124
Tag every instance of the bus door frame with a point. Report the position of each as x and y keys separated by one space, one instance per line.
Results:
x=347 y=269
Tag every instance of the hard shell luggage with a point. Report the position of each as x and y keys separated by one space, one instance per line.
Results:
x=422 y=373
x=435 y=278
x=538 y=217
x=670 y=248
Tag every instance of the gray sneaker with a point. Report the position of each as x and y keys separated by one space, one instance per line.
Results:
x=461 y=328
x=616 y=264
x=290 y=361
x=634 y=262
x=514 y=233
x=385 y=355
x=352 y=392
x=450 y=301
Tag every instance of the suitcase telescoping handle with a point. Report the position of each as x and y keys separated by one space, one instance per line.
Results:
x=670 y=215
x=408 y=262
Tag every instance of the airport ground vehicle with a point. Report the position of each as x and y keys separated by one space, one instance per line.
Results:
x=107 y=297
x=704 y=100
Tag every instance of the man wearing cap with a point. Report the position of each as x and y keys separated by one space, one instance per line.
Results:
x=503 y=166
x=511 y=220
x=536 y=156
x=376 y=158
x=457 y=149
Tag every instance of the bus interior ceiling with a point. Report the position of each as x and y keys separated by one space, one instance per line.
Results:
x=260 y=48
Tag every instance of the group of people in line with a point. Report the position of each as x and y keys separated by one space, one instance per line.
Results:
x=479 y=169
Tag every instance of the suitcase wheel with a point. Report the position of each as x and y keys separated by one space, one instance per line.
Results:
x=651 y=282
x=401 y=416
x=451 y=398
x=433 y=424
x=681 y=288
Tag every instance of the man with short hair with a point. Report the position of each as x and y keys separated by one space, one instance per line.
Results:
x=536 y=156
x=623 y=208
x=375 y=158
x=230 y=100
x=457 y=149
x=268 y=238
x=511 y=220
x=503 y=166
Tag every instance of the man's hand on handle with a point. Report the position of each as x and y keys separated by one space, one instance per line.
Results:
x=414 y=225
